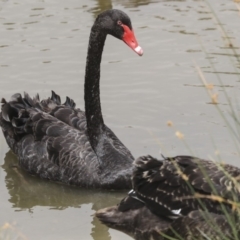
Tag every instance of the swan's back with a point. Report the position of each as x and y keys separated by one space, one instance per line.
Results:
x=202 y=225
x=51 y=141
x=133 y=218
x=186 y=183
x=179 y=198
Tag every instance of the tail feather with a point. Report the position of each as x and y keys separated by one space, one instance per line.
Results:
x=30 y=102
x=17 y=115
x=18 y=122
x=147 y=162
x=9 y=112
x=56 y=98
x=69 y=103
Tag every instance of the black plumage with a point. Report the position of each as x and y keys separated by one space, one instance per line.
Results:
x=62 y=143
x=135 y=219
x=179 y=198
x=186 y=183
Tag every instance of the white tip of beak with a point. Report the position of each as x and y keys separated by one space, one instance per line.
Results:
x=139 y=50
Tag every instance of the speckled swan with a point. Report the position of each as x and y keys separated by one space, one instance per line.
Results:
x=182 y=197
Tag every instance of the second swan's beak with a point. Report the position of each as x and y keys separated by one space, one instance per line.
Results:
x=130 y=40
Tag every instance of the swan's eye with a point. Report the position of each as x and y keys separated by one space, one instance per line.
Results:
x=119 y=23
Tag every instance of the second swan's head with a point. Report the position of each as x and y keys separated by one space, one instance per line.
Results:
x=118 y=24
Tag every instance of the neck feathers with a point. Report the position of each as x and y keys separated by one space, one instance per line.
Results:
x=95 y=124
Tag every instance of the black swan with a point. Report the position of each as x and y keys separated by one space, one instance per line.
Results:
x=132 y=217
x=182 y=197
x=59 y=142
x=183 y=184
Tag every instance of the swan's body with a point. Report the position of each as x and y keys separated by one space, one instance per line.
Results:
x=186 y=183
x=135 y=219
x=62 y=143
x=188 y=195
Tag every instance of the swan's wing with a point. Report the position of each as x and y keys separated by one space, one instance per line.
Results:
x=65 y=112
x=133 y=217
x=74 y=117
x=53 y=148
x=203 y=225
x=181 y=184
x=118 y=145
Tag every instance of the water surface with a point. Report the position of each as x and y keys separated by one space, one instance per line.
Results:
x=43 y=47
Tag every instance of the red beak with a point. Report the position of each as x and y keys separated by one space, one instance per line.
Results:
x=130 y=40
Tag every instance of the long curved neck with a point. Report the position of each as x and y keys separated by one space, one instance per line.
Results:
x=95 y=124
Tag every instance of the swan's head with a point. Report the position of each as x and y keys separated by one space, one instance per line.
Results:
x=118 y=24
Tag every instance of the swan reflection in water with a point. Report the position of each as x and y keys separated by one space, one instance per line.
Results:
x=102 y=5
x=27 y=192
